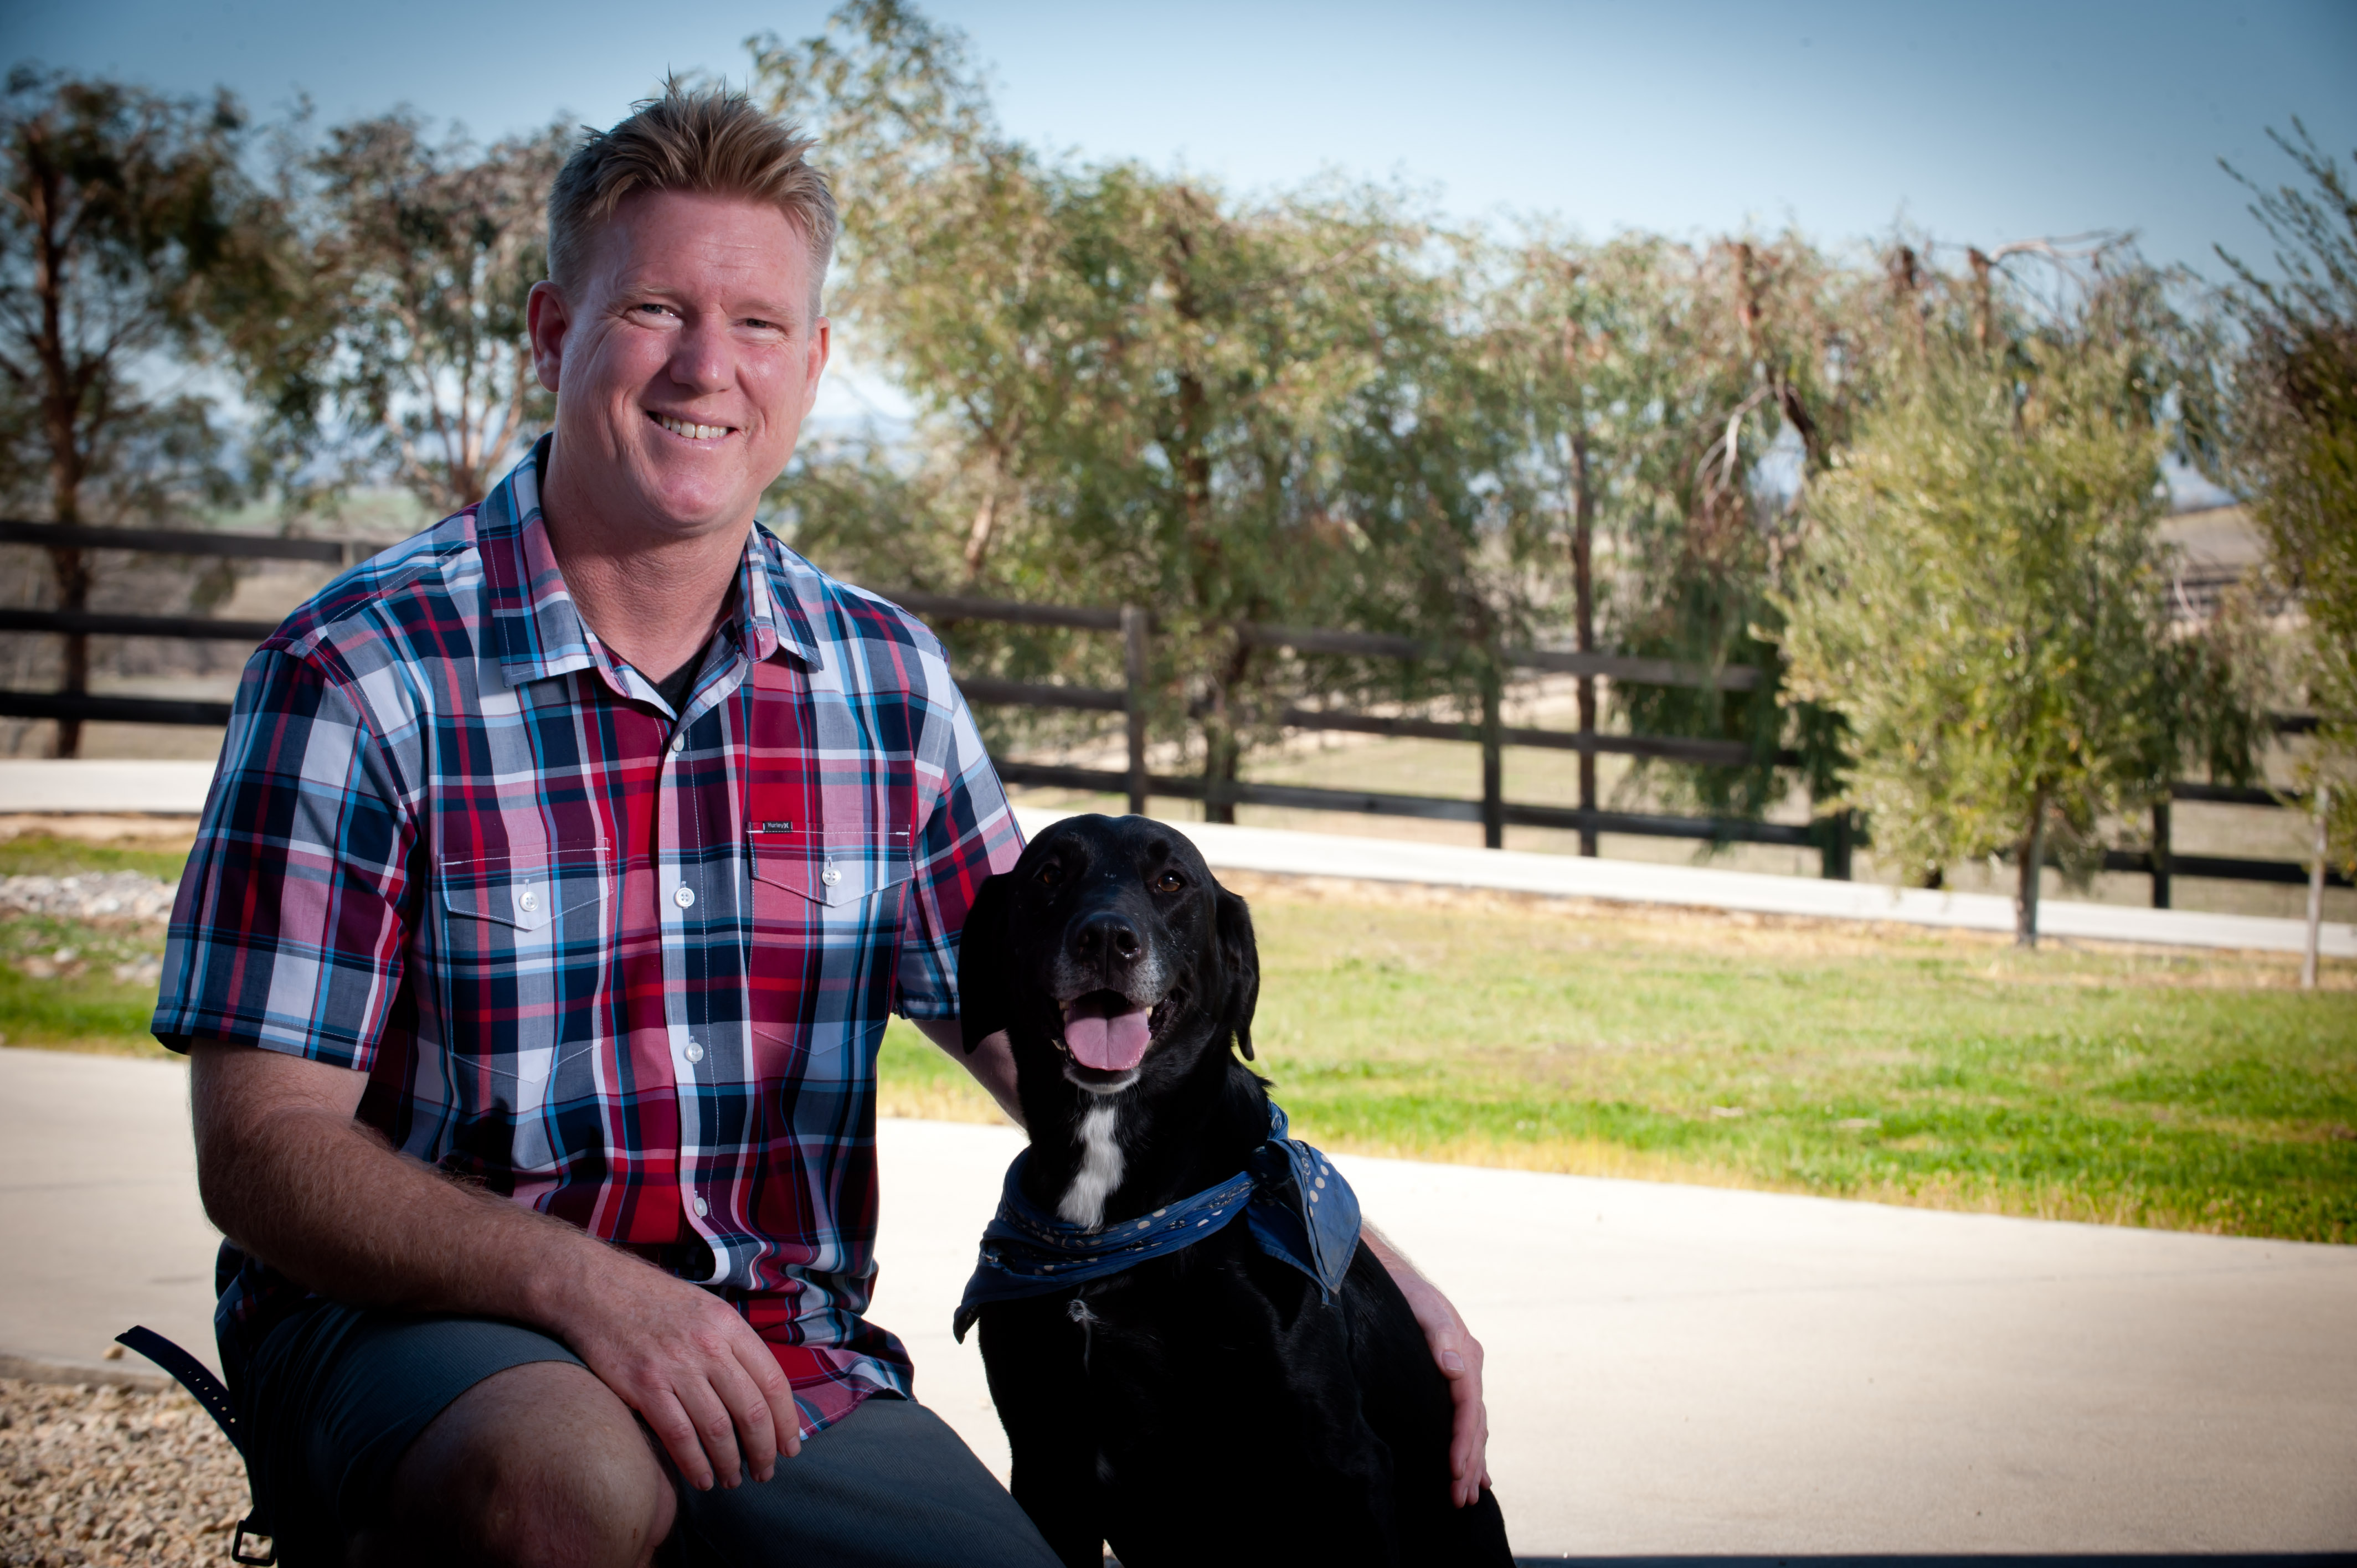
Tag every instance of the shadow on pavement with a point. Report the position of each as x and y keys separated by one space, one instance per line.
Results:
x=1972 y=1560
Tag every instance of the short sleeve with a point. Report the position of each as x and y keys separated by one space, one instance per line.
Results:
x=291 y=922
x=968 y=837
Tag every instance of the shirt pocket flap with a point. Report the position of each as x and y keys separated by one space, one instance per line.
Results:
x=523 y=891
x=832 y=868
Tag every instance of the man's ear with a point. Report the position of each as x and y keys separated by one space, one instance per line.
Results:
x=548 y=318
x=1240 y=957
x=982 y=964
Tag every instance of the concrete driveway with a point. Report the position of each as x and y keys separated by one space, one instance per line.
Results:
x=1673 y=1369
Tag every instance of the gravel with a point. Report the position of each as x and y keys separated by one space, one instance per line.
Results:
x=90 y=1474
x=91 y=895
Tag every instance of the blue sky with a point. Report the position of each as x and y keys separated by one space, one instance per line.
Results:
x=1979 y=122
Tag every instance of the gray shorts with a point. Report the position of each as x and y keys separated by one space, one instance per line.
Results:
x=334 y=1396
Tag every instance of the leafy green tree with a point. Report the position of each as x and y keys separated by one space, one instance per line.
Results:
x=1983 y=594
x=125 y=223
x=2292 y=440
x=399 y=353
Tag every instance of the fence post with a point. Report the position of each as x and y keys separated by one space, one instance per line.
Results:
x=1493 y=762
x=2315 y=887
x=1133 y=658
x=1834 y=851
x=2160 y=854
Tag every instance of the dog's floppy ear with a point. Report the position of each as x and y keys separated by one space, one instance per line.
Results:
x=1240 y=958
x=982 y=964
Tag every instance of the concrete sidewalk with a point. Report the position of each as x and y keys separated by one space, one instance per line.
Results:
x=1672 y=1370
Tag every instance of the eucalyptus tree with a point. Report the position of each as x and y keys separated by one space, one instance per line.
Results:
x=400 y=354
x=124 y=219
x=1678 y=401
x=1138 y=388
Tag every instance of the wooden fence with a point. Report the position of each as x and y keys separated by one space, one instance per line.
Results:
x=1832 y=836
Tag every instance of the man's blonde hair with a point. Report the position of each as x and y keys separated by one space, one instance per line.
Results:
x=710 y=140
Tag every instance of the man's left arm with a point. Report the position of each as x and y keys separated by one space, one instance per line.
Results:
x=992 y=1062
x=1459 y=1356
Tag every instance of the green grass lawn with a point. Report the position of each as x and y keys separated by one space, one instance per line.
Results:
x=76 y=1001
x=2193 y=1092
x=2197 y=1091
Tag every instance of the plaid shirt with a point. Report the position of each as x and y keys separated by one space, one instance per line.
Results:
x=629 y=967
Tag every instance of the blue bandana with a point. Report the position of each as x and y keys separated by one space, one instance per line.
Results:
x=1313 y=1225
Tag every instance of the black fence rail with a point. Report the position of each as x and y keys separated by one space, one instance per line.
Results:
x=1832 y=836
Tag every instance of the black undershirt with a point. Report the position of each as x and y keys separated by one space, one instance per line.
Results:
x=676 y=685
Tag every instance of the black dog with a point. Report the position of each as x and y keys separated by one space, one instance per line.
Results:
x=1214 y=1403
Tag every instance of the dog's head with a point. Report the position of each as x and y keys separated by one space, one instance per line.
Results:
x=1110 y=944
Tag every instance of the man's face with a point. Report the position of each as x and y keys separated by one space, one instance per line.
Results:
x=683 y=363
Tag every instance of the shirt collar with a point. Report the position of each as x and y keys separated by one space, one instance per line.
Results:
x=536 y=631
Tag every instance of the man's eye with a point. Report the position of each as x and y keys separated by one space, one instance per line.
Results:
x=1168 y=882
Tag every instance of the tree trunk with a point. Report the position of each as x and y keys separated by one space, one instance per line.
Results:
x=1583 y=578
x=61 y=420
x=1983 y=304
x=1219 y=762
x=978 y=537
x=1223 y=757
x=2033 y=865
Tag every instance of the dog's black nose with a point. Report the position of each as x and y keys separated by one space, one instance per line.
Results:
x=1105 y=938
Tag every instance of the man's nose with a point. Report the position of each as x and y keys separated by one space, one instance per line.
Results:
x=700 y=359
x=1106 y=940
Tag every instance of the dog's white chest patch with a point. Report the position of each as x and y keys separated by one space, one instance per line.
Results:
x=1083 y=1202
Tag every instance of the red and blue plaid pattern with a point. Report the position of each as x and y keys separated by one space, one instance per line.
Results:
x=629 y=967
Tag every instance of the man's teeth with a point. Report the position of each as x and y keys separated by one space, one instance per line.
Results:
x=693 y=432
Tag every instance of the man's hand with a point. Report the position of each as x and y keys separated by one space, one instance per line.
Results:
x=289 y=1175
x=692 y=1369
x=1459 y=1355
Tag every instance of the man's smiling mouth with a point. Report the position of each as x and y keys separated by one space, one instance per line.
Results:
x=689 y=428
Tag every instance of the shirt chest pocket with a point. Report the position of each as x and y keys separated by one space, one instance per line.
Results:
x=522 y=942
x=516 y=899
x=827 y=911
x=831 y=871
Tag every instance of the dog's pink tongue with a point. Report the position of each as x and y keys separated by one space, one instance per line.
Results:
x=1109 y=1042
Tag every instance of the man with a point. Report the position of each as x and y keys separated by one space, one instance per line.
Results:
x=563 y=865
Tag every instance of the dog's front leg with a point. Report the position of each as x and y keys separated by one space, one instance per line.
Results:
x=1055 y=1481
x=1033 y=1352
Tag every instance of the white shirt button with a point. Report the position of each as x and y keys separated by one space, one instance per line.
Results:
x=702 y=1208
x=683 y=896
x=830 y=876
x=527 y=901
x=694 y=1053
x=679 y=743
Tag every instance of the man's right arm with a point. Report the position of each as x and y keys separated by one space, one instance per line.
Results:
x=291 y=1177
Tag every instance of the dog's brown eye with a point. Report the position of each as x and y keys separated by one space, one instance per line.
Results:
x=1051 y=874
x=1168 y=882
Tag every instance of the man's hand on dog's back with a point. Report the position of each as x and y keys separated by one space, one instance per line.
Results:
x=288 y=1174
x=1458 y=1356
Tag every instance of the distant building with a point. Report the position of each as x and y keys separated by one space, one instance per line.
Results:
x=2222 y=547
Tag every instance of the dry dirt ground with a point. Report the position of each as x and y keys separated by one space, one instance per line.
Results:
x=93 y=1474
